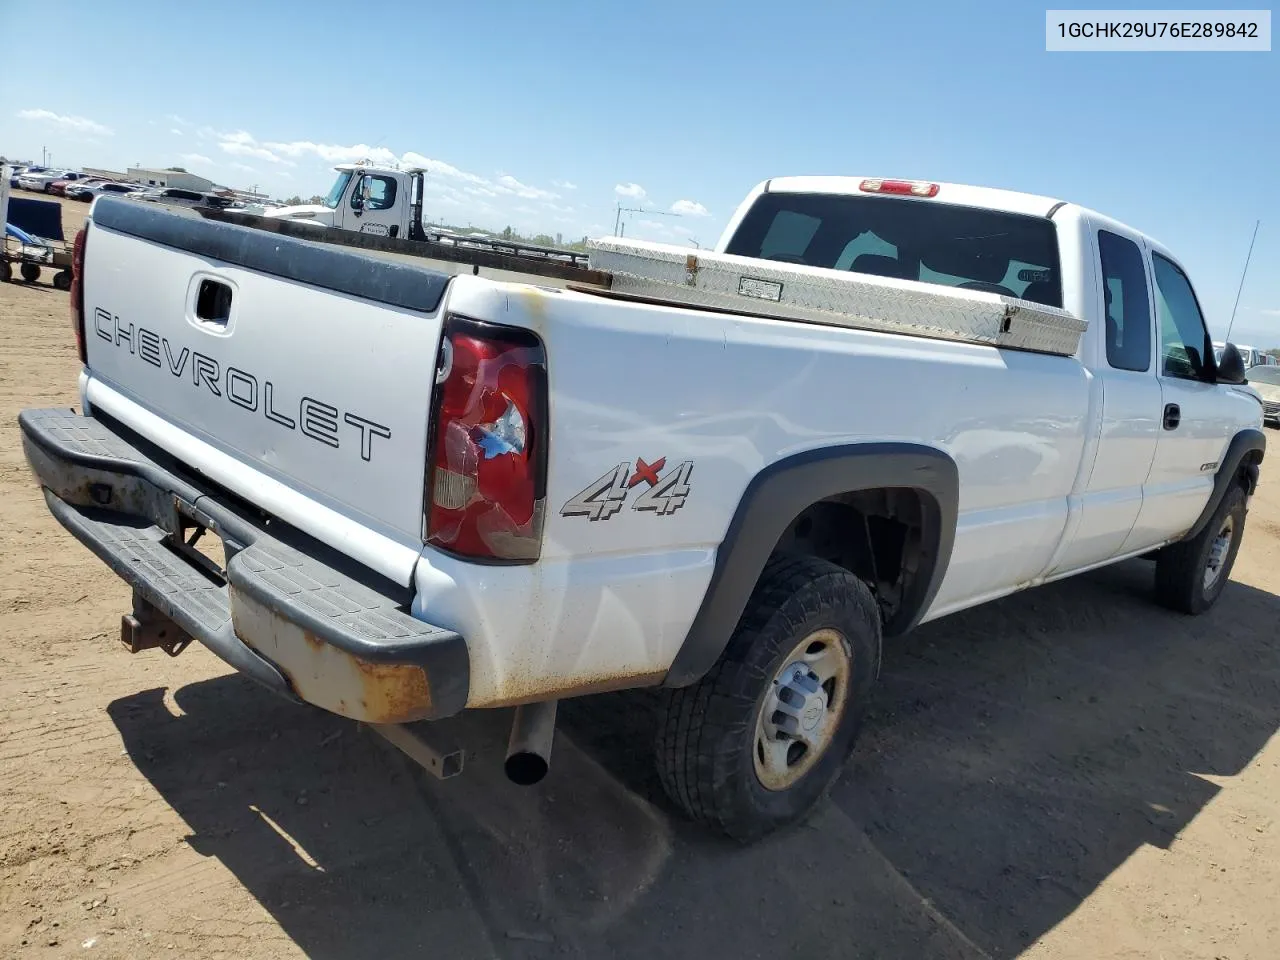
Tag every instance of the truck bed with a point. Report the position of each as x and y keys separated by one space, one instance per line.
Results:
x=448 y=257
x=663 y=274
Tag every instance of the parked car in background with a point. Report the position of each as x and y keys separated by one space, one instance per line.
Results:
x=109 y=187
x=174 y=196
x=1252 y=356
x=16 y=173
x=39 y=182
x=1265 y=379
x=59 y=187
x=80 y=189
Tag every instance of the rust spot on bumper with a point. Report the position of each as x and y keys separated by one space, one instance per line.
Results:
x=394 y=692
x=329 y=677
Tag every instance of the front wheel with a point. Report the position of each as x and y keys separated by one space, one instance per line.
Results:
x=756 y=743
x=30 y=272
x=62 y=280
x=1191 y=575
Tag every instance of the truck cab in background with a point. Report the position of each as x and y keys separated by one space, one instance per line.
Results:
x=364 y=198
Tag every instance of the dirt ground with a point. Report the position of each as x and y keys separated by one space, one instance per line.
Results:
x=1069 y=773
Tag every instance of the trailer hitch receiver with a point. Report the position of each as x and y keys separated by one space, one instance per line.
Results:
x=147 y=628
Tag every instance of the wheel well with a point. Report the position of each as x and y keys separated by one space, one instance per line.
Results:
x=1247 y=475
x=877 y=535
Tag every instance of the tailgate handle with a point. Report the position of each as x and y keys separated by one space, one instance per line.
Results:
x=213 y=302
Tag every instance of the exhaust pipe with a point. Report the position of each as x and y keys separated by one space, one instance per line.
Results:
x=529 y=750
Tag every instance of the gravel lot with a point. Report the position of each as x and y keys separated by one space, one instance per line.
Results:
x=1071 y=772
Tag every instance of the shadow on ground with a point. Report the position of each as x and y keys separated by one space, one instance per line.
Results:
x=1016 y=755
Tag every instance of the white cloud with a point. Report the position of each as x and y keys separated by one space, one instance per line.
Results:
x=564 y=185
x=175 y=131
x=1271 y=313
x=195 y=158
x=690 y=208
x=333 y=153
x=74 y=124
x=242 y=144
x=631 y=190
x=513 y=185
x=244 y=168
x=174 y=118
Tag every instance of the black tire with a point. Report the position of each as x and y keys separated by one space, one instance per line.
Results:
x=707 y=740
x=62 y=280
x=1181 y=567
x=30 y=272
x=6 y=271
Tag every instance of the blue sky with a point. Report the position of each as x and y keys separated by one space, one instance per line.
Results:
x=543 y=116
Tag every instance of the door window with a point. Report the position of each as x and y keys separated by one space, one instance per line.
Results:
x=1128 y=310
x=1182 y=330
x=381 y=193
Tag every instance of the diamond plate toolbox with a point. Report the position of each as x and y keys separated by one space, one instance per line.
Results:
x=833 y=297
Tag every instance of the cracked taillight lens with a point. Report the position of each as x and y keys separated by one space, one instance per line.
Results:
x=487 y=467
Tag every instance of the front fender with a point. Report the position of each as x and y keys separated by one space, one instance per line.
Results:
x=1243 y=456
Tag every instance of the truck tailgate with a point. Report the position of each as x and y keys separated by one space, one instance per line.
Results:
x=311 y=365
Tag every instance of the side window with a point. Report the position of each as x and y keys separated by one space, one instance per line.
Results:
x=1128 y=310
x=1182 y=329
x=382 y=193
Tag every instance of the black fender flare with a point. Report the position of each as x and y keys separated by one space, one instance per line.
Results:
x=1242 y=444
x=778 y=494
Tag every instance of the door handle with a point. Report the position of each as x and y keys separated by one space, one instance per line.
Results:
x=1172 y=416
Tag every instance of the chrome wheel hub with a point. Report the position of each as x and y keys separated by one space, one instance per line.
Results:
x=801 y=710
x=1218 y=551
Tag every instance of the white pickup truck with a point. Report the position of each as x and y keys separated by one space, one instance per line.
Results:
x=728 y=474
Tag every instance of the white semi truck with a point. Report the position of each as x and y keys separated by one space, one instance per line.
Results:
x=387 y=202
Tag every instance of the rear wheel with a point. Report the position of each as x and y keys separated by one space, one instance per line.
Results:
x=756 y=743
x=1190 y=575
x=62 y=280
x=6 y=271
x=30 y=272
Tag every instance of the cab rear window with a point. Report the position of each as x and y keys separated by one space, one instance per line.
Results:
x=967 y=247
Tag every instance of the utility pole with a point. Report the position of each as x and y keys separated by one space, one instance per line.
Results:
x=620 y=228
x=44 y=156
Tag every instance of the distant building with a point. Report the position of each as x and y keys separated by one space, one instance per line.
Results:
x=105 y=174
x=169 y=178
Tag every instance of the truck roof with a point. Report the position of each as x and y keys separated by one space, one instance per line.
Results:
x=1010 y=201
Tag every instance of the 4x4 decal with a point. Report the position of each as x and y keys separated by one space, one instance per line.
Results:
x=662 y=494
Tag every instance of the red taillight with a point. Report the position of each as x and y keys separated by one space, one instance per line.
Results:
x=487 y=467
x=908 y=188
x=77 y=291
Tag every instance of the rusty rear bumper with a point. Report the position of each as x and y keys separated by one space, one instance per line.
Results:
x=285 y=610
